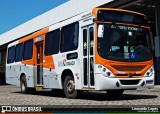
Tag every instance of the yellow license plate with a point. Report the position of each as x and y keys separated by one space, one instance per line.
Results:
x=39 y=88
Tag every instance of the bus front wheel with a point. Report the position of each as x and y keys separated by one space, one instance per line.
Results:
x=69 y=88
x=115 y=93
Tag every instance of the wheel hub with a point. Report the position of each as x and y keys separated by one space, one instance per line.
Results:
x=70 y=86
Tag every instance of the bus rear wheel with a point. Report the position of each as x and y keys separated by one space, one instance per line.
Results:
x=23 y=85
x=115 y=93
x=24 y=88
x=69 y=88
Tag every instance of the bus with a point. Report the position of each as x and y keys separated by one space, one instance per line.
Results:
x=103 y=49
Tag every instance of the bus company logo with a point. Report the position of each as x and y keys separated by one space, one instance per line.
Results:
x=65 y=63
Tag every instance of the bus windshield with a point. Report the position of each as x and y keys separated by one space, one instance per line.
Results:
x=125 y=43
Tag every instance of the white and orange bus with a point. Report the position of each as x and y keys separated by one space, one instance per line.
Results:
x=102 y=49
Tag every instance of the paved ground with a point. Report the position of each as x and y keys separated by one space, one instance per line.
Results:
x=10 y=95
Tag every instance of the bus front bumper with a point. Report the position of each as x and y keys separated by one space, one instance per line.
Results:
x=105 y=83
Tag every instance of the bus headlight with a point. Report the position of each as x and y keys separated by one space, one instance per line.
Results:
x=106 y=72
x=149 y=72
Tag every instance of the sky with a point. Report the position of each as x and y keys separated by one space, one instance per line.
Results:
x=16 y=12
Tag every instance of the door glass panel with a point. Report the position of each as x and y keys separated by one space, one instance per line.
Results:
x=85 y=42
x=85 y=71
x=40 y=63
x=88 y=59
x=91 y=71
x=91 y=35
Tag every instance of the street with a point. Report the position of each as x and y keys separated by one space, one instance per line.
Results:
x=11 y=95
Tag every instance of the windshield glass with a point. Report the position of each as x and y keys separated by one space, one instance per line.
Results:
x=125 y=43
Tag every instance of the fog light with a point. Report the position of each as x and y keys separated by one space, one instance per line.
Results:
x=117 y=84
x=108 y=73
x=143 y=83
x=99 y=66
x=104 y=69
x=148 y=73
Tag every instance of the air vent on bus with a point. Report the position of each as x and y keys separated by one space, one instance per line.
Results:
x=128 y=68
x=128 y=75
x=129 y=82
x=122 y=74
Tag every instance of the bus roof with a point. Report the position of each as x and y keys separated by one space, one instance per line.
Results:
x=58 y=14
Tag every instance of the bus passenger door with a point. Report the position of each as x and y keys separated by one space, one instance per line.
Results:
x=39 y=63
x=88 y=57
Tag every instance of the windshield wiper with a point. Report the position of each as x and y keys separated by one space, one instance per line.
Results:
x=137 y=31
x=119 y=30
x=136 y=34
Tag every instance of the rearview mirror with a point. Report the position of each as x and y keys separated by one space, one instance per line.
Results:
x=100 y=31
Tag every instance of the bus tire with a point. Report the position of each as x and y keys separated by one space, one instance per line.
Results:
x=115 y=93
x=69 y=88
x=23 y=85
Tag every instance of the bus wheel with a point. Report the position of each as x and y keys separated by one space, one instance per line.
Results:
x=115 y=93
x=23 y=85
x=69 y=88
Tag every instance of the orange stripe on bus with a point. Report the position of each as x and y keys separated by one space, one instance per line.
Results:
x=48 y=60
x=34 y=35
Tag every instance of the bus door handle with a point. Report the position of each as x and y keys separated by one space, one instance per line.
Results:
x=10 y=67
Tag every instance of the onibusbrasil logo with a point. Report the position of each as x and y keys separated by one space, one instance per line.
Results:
x=21 y=109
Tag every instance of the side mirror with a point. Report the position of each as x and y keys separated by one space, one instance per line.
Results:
x=100 y=31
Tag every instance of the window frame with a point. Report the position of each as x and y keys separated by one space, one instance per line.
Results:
x=31 y=40
x=61 y=39
x=21 y=44
x=51 y=33
x=8 y=62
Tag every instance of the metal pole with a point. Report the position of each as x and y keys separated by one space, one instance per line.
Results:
x=157 y=41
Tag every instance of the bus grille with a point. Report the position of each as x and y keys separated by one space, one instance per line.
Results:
x=133 y=75
x=128 y=68
x=129 y=82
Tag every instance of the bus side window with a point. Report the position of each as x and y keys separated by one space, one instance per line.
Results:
x=19 y=52
x=28 y=50
x=11 y=55
x=69 y=37
x=52 y=42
